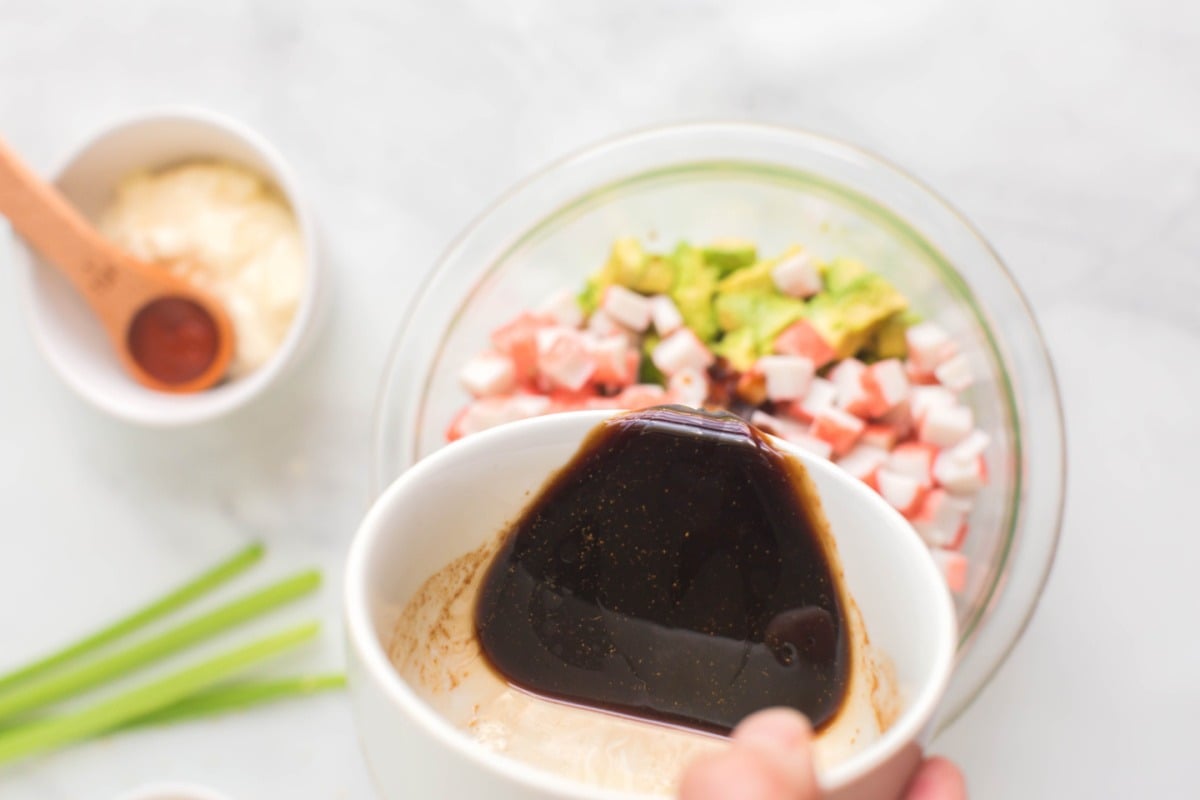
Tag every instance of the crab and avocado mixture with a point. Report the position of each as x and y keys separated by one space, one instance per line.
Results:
x=825 y=354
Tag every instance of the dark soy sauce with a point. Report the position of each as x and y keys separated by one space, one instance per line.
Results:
x=675 y=570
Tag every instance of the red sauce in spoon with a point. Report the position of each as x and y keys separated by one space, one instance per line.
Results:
x=173 y=339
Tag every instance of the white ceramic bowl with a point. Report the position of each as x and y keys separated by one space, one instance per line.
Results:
x=454 y=500
x=66 y=331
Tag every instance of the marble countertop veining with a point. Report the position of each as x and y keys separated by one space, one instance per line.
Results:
x=1068 y=132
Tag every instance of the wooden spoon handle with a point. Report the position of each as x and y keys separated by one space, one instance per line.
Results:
x=56 y=230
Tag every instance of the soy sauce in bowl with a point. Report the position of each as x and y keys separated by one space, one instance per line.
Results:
x=679 y=569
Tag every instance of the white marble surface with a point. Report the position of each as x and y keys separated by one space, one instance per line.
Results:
x=1067 y=131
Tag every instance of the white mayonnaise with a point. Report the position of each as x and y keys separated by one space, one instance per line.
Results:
x=227 y=230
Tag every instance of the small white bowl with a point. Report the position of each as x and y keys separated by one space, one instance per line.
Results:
x=68 y=333
x=454 y=500
x=173 y=791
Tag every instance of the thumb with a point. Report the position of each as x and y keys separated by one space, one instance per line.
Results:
x=770 y=759
x=784 y=737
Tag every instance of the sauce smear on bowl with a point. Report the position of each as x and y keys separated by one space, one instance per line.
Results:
x=679 y=570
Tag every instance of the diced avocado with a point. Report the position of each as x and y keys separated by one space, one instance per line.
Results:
x=739 y=347
x=756 y=278
x=775 y=313
x=889 y=341
x=657 y=276
x=628 y=265
x=765 y=313
x=736 y=309
x=695 y=284
x=841 y=273
x=635 y=269
x=648 y=372
x=847 y=318
x=728 y=255
x=626 y=261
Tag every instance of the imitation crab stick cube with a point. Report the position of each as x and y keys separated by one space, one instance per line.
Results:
x=918 y=376
x=821 y=395
x=928 y=346
x=565 y=400
x=960 y=536
x=945 y=426
x=488 y=412
x=880 y=436
x=810 y=443
x=616 y=361
x=954 y=373
x=886 y=385
x=627 y=307
x=603 y=326
x=847 y=375
x=953 y=566
x=915 y=460
x=899 y=419
x=863 y=462
x=599 y=403
x=688 y=387
x=562 y=308
x=518 y=341
x=926 y=397
x=774 y=425
x=563 y=358
x=641 y=395
x=972 y=446
x=941 y=519
x=801 y=339
x=960 y=476
x=840 y=428
x=680 y=350
x=458 y=426
x=792 y=432
x=488 y=374
x=852 y=395
x=664 y=314
x=797 y=275
x=902 y=492
x=524 y=406
x=787 y=377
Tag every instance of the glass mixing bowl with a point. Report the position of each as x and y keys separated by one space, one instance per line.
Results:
x=775 y=187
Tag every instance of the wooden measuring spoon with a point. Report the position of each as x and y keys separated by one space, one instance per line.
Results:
x=169 y=335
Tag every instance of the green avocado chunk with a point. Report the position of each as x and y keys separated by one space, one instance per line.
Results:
x=728 y=255
x=648 y=371
x=695 y=284
x=848 y=316
x=628 y=265
x=763 y=312
x=888 y=340
x=756 y=278
x=841 y=273
x=739 y=347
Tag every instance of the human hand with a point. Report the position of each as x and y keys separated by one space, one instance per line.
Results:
x=771 y=759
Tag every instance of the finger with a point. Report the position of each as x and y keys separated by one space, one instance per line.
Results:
x=784 y=737
x=739 y=773
x=778 y=726
x=937 y=779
